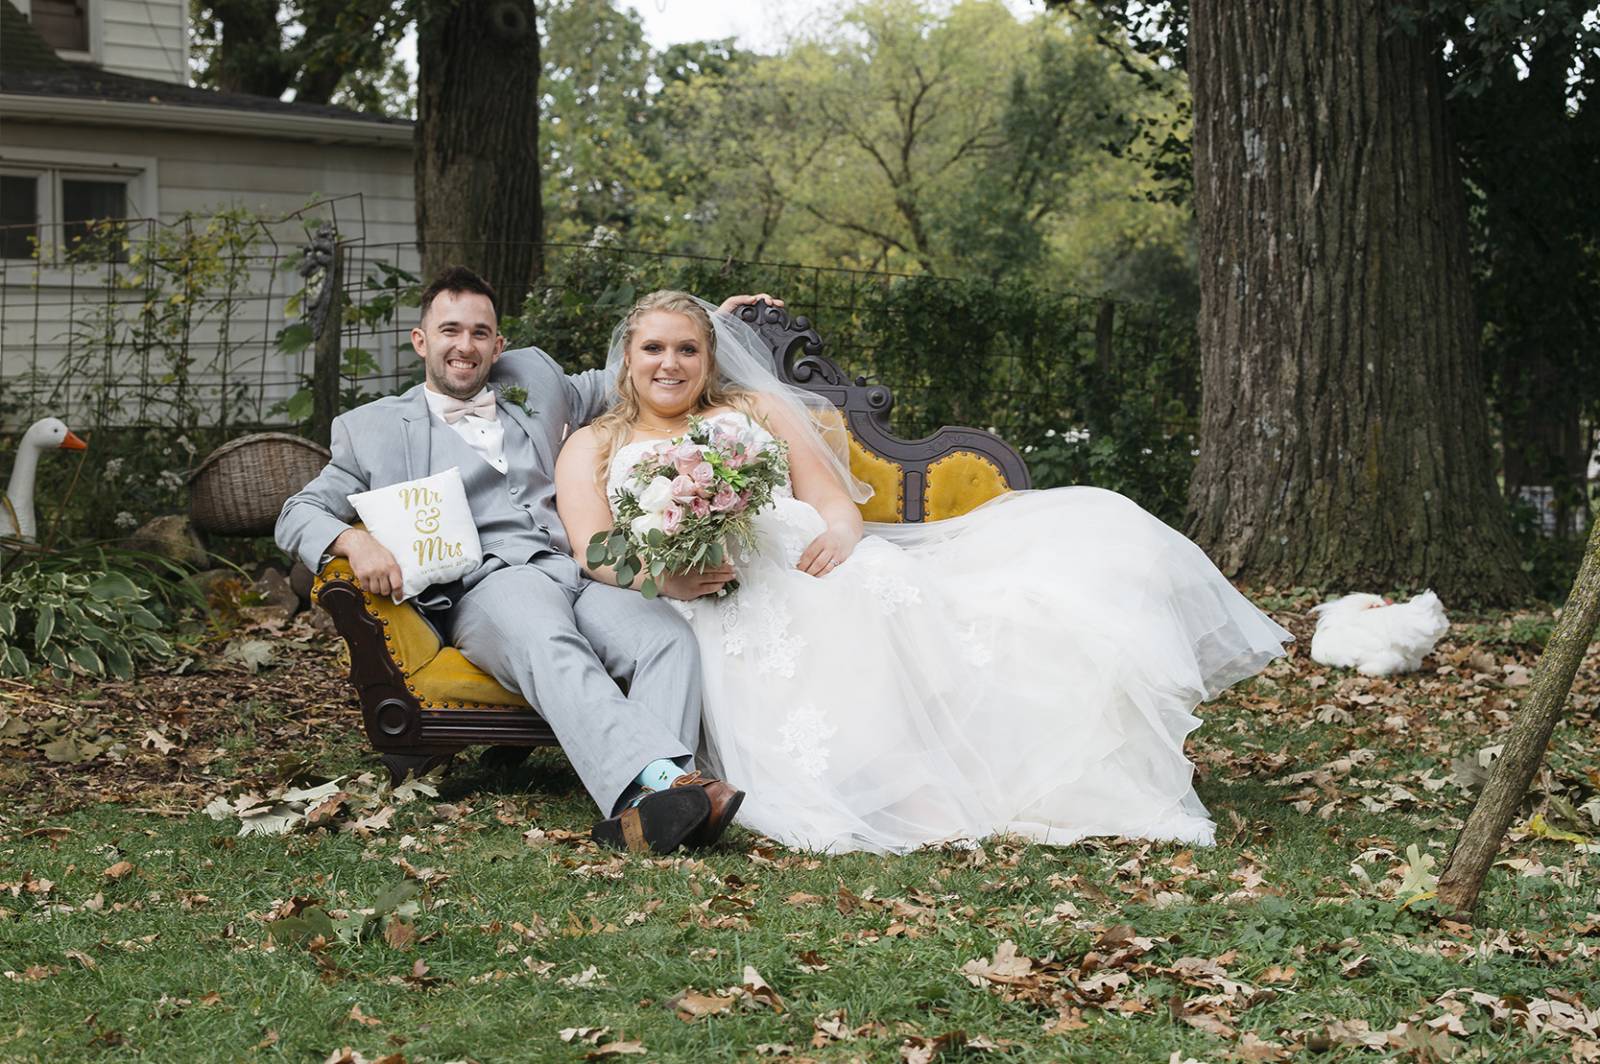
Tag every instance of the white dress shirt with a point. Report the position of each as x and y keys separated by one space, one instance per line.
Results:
x=487 y=436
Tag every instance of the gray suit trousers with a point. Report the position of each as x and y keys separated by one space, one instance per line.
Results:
x=565 y=646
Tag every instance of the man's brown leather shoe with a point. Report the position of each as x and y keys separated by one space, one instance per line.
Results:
x=725 y=801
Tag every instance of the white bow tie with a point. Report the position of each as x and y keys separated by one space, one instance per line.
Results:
x=481 y=404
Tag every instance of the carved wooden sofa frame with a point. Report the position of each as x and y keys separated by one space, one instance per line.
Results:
x=422 y=701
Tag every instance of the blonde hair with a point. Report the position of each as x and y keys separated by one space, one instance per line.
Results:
x=616 y=424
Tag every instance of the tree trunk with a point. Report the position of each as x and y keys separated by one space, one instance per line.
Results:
x=477 y=142
x=1479 y=841
x=1345 y=439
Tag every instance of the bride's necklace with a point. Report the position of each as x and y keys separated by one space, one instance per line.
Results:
x=662 y=428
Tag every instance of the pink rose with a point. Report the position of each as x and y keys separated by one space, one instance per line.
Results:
x=737 y=456
x=700 y=506
x=704 y=476
x=671 y=518
x=725 y=499
x=684 y=488
x=686 y=456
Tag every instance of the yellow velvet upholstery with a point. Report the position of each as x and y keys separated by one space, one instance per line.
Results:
x=887 y=480
x=438 y=675
x=961 y=482
x=450 y=681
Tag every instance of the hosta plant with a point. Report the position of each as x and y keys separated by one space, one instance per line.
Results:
x=94 y=620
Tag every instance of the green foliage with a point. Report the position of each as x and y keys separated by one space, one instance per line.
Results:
x=324 y=51
x=376 y=302
x=1038 y=367
x=93 y=620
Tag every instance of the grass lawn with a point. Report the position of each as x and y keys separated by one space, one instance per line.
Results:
x=134 y=925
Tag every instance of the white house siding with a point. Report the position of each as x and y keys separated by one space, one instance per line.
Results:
x=144 y=38
x=195 y=173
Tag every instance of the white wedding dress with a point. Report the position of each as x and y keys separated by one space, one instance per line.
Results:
x=1030 y=667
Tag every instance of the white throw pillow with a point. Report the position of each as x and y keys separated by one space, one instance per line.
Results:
x=427 y=526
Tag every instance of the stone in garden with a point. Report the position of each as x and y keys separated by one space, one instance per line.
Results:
x=276 y=591
x=301 y=579
x=172 y=537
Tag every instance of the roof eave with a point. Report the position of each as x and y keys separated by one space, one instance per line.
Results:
x=279 y=125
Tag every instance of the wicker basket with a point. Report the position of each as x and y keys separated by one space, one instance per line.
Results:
x=240 y=487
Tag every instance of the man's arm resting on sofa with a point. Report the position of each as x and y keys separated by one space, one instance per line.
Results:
x=375 y=567
x=315 y=522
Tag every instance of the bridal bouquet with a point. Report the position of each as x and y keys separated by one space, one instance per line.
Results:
x=685 y=500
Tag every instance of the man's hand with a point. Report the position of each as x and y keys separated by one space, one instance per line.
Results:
x=731 y=302
x=375 y=568
x=695 y=583
x=828 y=551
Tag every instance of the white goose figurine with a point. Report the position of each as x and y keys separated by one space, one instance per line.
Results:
x=16 y=515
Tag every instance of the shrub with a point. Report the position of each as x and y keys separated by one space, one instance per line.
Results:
x=95 y=620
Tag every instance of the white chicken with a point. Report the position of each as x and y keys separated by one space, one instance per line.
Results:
x=1372 y=635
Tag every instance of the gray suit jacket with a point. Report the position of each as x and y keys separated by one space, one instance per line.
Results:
x=388 y=441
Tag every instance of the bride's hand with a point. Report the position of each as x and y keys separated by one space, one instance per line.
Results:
x=731 y=302
x=695 y=583
x=828 y=551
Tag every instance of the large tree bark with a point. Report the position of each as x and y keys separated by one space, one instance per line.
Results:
x=477 y=142
x=1345 y=439
x=1479 y=842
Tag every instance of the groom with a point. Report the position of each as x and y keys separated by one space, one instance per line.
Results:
x=528 y=615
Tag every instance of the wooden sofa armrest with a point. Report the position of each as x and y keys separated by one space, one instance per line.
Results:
x=390 y=645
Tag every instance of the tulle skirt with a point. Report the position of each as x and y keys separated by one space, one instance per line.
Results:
x=1031 y=667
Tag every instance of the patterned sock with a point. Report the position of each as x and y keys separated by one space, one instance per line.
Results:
x=659 y=774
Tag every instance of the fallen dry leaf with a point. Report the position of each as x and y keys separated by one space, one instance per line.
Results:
x=357 y=1016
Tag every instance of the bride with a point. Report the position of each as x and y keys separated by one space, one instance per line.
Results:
x=1030 y=667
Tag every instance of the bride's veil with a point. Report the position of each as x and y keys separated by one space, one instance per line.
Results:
x=746 y=363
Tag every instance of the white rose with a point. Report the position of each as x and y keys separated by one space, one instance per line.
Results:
x=641 y=525
x=656 y=495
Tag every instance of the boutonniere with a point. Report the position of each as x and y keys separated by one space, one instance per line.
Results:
x=517 y=395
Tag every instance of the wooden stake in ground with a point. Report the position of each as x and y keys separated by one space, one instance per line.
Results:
x=1479 y=841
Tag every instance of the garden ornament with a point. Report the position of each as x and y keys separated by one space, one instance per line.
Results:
x=16 y=513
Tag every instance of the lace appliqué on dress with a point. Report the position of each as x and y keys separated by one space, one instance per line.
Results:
x=754 y=616
x=978 y=651
x=805 y=738
x=891 y=590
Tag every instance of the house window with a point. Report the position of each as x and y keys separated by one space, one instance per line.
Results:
x=64 y=24
x=57 y=215
x=92 y=213
x=19 y=215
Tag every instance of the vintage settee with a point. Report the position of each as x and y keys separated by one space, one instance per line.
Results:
x=422 y=701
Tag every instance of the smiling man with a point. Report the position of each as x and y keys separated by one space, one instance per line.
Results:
x=528 y=615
